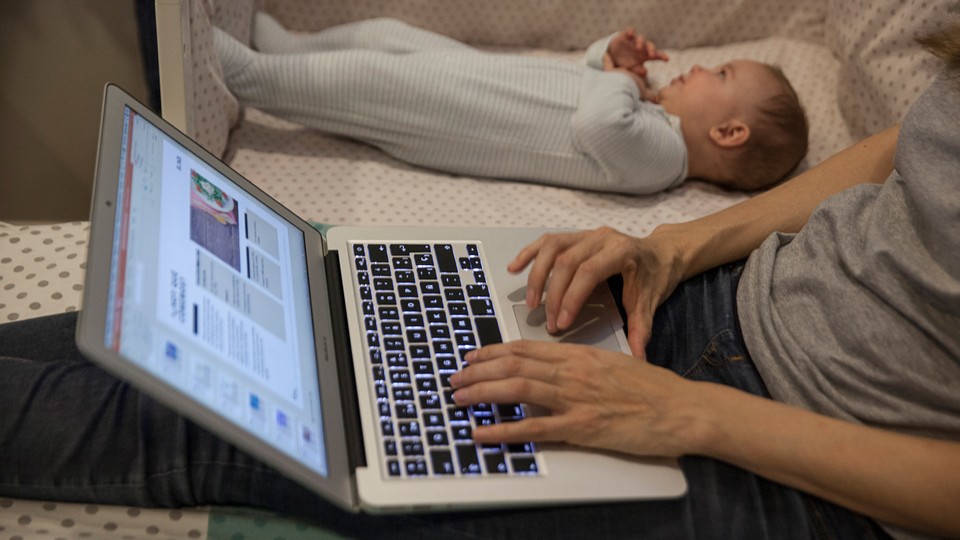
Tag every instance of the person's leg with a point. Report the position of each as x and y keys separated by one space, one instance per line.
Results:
x=380 y=34
x=72 y=432
x=696 y=333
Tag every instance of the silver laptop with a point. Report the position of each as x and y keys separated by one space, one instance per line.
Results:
x=327 y=358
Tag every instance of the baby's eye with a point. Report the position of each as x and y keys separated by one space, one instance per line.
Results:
x=722 y=74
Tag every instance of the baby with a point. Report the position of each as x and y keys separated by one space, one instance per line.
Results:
x=432 y=101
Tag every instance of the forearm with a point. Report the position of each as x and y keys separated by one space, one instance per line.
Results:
x=907 y=481
x=733 y=233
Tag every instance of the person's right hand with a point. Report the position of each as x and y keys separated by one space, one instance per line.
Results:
x=576 y=263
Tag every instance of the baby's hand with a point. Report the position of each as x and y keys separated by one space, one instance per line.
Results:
x=646 y=93
x=630 y=51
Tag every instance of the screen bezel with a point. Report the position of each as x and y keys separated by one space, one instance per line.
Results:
x=338 y=486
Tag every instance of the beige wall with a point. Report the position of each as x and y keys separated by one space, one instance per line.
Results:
x=55 y=57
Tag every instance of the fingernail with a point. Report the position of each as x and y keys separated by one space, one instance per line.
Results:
x=455 y=379
x=564 y=319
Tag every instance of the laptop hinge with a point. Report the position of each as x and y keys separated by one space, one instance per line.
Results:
x=348 y=390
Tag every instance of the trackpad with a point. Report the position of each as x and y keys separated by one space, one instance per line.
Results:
x=592 y=327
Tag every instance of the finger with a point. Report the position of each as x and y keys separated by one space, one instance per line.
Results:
x=590 y=273
x=504 y=366
x=566 y=269
x=535 y=429
x=640 y=329
x=514 y=390
x=537 y=278
x=545 y=351
x=651 y=50
x=523 y=258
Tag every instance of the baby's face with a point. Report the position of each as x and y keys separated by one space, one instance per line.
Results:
x=719 y=93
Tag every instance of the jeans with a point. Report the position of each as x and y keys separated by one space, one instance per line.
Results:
x=71 y=432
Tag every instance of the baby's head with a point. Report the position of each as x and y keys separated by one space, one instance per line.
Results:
x=742 y=122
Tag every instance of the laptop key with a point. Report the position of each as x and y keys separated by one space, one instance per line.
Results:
x=412 y=448
x=495 y=462
x=524 y=464
x=409 y=428
x=481 y=307
x=433 y=419
x=488 y=331
x=446 y=261
x=468 y=459
x=407 y=249
x=442 y=462
x=430 y=400
x=437 y=438
x=478 y=291
x=416 y=467
x=378 y=253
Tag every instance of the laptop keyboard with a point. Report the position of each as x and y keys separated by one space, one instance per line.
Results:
x=424 y=306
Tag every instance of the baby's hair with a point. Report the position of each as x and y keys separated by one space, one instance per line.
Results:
x=945 y=43
x=778 y=139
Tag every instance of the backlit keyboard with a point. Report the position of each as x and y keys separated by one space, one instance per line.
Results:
x=424 y=306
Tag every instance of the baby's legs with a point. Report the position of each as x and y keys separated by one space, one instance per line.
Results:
x=384 y=99
x=382 y=34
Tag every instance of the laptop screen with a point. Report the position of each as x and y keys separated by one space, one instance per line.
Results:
x=208 y=291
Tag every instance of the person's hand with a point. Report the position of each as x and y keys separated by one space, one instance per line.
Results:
x=646 y=93
x=597 y=398
x=576 y=263
x=629 y=51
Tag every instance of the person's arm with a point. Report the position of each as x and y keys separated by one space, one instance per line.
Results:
x=607 y=400
x=731 y=234
x=652 y=266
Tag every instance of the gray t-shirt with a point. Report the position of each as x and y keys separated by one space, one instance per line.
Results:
x=857 y=316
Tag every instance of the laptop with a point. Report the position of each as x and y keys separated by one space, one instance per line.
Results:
x=327 y=358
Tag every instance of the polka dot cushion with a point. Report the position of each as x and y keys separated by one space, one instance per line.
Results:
x=21 y=519
x=41 y=269
x=571 y=24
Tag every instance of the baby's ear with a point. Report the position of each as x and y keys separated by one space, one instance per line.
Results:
x=730 y=134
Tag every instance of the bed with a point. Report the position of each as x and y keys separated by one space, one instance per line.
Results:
x=853 y=63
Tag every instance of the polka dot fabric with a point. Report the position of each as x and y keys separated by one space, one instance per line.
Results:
x=571 y=24
x=883 y=68
x=41 y=269
x=36 y=519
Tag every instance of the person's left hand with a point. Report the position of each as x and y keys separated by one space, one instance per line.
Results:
x=630 y=51
x=597 y=398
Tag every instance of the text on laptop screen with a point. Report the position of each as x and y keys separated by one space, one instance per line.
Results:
x=208 y=290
